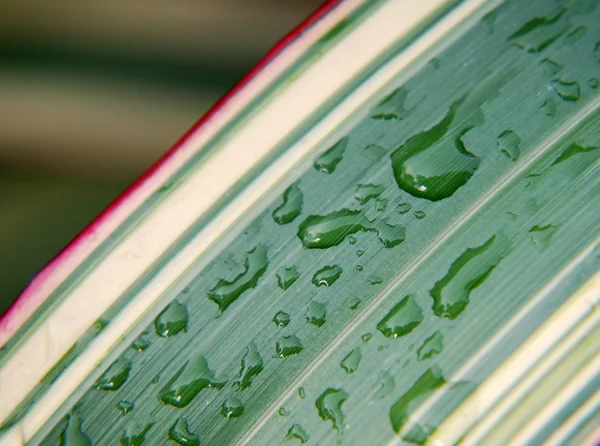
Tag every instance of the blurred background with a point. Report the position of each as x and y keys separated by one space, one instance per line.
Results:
x=93 y=92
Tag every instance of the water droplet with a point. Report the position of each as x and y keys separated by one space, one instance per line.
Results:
x=392 y=106
x=351 y=361
x=380 y=348
x=327 y=275
x=115 y=376
x=225 y=292
x=329 y=406
x=156 y=379
x=435 y=63
x=283 y=412
x=291 y=206
x=301 y=393
x=542 y=235
x=567 y=90
x=232 y=408
x=329 y=160
x=142 y=342
x=171 y=320
x=549 y=107
x=403 y=318
x=359 y=268
x=375 y=280
x=352 y=240
x=430 y=381
x=366 y=192
x=360 y=252
x=550 y=67
x=316 y=314
x=575 y=35
x=286 y=276
x=489 y=20
x=432 y=346
x=251 y=365
x=180 y=433
x=593 y=83
x=467 y=272
x=100 y=324
x=572 y=150
x=508 y=143
x=418 y=434
x=288 y=345
x=125 y=406
x=426 y=169
x=381 y=204
x=135 y=434
x=194 y=376
x=325 y=231
x=296 y=432
x=403 y=208
x=366 y=337
x=385 y=385
x=354 y=304
x=374 y=152
x=281 y=319
x=539 y=32
x=73 y=434
x=420 y=215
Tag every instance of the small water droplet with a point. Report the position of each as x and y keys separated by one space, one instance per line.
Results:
x=232 y=408
x=432 y=346
x=572 y=150
x=539 y=32
x=125 y=406
x=156 y=379
x=329 y=406
x=374 y=152
x=549 y=107
x=190 y=379
x=316 y=314
x=358 y=268
x=541 y=236
x=574 y=36
x=351 y=361
x=171 y=320
x=375 y=280
x=418 y=434
x=100 y=324
x=352 y=240
x=381 y=204
x=288 y=345
x=250 y=366
x=403 y=208
x=329 y=160
x=550 y=67
x=327 y=275
x=291 y=206
x=180 y=433
x=73 y=434
x=366 y=192
x=142 y=342
x=360 y=252
x=225 y=292
x=115 y=376
x=392 y=106
x=301 y=392
x=593 y=83
x=366 y=337
x=296 y=432
x=385 y=385
x=286 y=276
x=354 y=303
x=420 y=215
x=508 y=144
x=567 y=90
x=430 y=381
x=380 y=348
x=283 y=412
x=281 y=319
x=135 y=434
x=403 y=318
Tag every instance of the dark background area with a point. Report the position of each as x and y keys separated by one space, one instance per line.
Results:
x=93 y=92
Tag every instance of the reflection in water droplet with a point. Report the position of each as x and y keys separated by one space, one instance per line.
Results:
x=354 y=304
x=224 y=293
x=420 y=215
x=296 y=432
x=374 y=152
x=281 y=319
x=286 y=276
x=142 y=342
x=73 y=434
x=125 y=406
x=403 y=208
x=508 y=143
x=385 y=385
x=392 y=106
x=232 y=408
x=291 y=206
x=366 y=337
x=431 y=380
x=288 y=345
x=115 y=376
x=549 y=107
x=403 y=318
x=171 y=320
x=283 y=412
x=541 y=236
x=329 y=406
x=572 y=150
x=190 y=379
x=325 y=231
x=432 y=346
x=366 y=192
x=316 y=314
x=351 y=361
x=251 y=365
x=328 y=161
x=539 y=32
x=135 y=434
x=567 y=90
x=180 y=433
x=327 y=275
x=301 y=393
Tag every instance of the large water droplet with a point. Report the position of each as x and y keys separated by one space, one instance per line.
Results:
x=327 y=275
x=171 y=320
x=325 y=231
x=296 y=432
x=329 y=406
x=232 y=408
x=508 y=144
x=115 y=376
x=539 y=32
x=286 y=276
x=328 y=161
x=125 y=406
x=541 y=236
x=135 y=434
x=189 y=380
x=572 y=150
x=403 y=318
x=351 y=361
x=467 y=272
x=431 y=380
x=432 y=346
x=567 y=90
x=142 y=342
x=316 y=313
x=366 y=192
x=392 y=106
x=73 y=434
x=288 y=345
x=386 y=384
x=281 y=319
x=225 y=292
x=291 y=206
x=251 y=365
x=180 y=433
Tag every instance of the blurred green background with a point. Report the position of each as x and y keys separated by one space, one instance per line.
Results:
x=92 y=92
